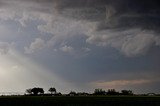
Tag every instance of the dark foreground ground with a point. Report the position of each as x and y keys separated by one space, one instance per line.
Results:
x=80 y=101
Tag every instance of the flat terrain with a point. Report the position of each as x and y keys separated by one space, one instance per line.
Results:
x=80 y=101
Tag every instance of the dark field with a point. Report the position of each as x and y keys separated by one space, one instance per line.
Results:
x=80 y=101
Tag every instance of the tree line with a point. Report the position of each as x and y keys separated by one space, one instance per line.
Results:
x=40 y=91
x=112 y=92
x=36 y=91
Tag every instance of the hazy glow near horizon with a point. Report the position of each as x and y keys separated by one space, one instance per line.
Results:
x=17 y=73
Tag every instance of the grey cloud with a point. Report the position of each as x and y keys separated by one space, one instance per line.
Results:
x=104 y=22
x=95 y=10
x=121 y=13
x=131 y=43
x=116 y=24
x=4 y=47
x=129 y=26
x=67 y=49
x=32 y=5
x=38 y=44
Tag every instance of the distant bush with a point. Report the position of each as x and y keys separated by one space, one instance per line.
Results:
x=99 y=92
x=126 y=92
x=52 y=90
x=112 y=92
x=72 y=93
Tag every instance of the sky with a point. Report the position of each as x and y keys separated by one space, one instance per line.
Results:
x=80 y=45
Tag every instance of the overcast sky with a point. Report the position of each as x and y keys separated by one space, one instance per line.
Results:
x=80 y=45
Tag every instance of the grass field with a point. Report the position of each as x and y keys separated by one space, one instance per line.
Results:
x=80 y=101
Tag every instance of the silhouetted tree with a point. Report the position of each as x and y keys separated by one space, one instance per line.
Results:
x=112 y=92
x=99 y=92
x=29 y=91
x=72 y=93
x=58 y=94
x=52 y=90
x=36 y=91
x=126 y=92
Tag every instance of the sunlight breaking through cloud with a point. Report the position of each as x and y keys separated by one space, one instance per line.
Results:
x=18 y=73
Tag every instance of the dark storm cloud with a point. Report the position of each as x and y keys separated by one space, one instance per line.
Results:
x=125 y=25
x=122 y=13
x=109 y=13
